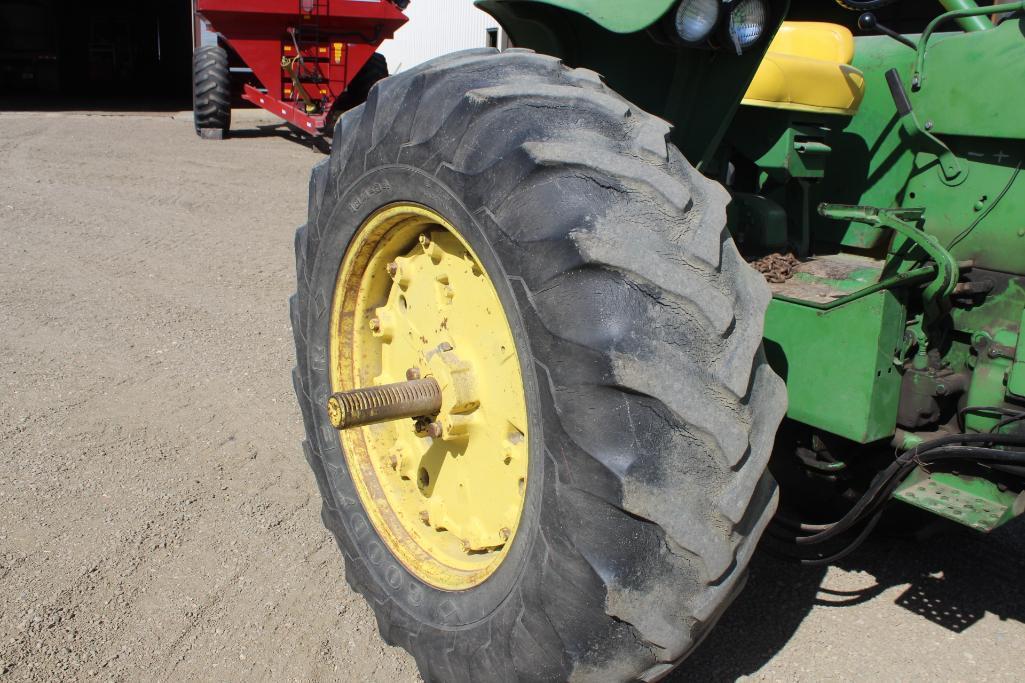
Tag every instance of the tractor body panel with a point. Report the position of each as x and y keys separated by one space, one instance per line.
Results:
x=838 y=363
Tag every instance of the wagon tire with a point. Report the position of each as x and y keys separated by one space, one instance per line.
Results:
x=211 y=92
x=376 y=69
x=639 y=327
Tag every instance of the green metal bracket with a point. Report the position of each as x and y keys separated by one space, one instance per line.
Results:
x=968 y=13
x=947 y=271
x=972 y=501
x=951 y=170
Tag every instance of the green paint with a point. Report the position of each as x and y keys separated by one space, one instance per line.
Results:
x=838 y=363
x=793 y=150
x=618 y=17
x=1016 y=379
x=969 y=23
x=974 y=502
x=962 y=77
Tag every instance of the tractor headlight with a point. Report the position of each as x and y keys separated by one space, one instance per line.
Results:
x=747 y=23
x=696 y=19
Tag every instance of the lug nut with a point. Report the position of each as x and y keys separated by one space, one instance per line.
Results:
x=504 y=533
x=425 y=517
x=393 y=268
x=375 y=324
x=425 y=240
x=413 y=373
x=434 y=430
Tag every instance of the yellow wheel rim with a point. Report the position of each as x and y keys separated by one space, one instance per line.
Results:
x=411 y=293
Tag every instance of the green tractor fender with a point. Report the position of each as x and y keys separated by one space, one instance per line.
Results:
x=617 y=17
x=697 y=91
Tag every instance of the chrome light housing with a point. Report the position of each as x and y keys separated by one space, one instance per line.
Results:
x=746 y=24
x=695 y=20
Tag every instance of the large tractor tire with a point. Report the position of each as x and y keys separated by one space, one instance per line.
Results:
x=211 y=92
x=593 y=499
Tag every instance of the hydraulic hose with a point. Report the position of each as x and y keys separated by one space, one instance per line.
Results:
x=939 y=450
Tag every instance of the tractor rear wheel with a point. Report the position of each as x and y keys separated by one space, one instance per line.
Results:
x=520 y=232
x=211 y=92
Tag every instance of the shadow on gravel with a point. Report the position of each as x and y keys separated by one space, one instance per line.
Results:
x=285 y=132
x=955 y=577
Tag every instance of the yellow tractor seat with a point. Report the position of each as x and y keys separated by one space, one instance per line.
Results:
x=808 y=68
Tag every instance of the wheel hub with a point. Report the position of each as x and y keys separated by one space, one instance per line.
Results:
x=444 y=490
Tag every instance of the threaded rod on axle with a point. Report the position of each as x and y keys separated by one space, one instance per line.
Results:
x=371 y=405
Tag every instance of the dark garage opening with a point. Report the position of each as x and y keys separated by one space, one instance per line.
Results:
x=95 y=54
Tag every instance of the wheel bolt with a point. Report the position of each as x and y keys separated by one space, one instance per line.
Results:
x=375 y=324
x=413 y=373
x=425 y=240
x=425 y=518
x=393 y=268
x=504 y=533
x=434 y=430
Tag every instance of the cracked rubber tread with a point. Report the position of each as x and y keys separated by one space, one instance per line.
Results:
x=644 y=328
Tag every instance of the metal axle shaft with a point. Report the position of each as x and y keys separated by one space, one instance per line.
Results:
x=360 y=407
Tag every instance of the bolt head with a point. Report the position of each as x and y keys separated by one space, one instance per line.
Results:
x=375 y=324
x=425 y=240
x=504 y=533
x=412 y=374
x=425 y=517
x=434 y=430
x=393 y=268
x=334 y=412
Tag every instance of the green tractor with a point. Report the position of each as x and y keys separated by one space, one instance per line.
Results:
x=567 y=313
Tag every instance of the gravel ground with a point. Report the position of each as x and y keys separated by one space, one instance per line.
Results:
x=157 y=520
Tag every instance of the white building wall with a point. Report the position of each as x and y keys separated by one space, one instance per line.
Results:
x=436 y=27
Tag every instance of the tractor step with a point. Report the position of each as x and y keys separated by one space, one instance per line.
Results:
x=823 y=279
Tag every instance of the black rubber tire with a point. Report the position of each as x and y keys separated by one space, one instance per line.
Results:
x=211 y=91
x=376 y=69
x=652 y=409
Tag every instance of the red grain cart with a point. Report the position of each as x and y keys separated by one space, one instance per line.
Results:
x=313 y=58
